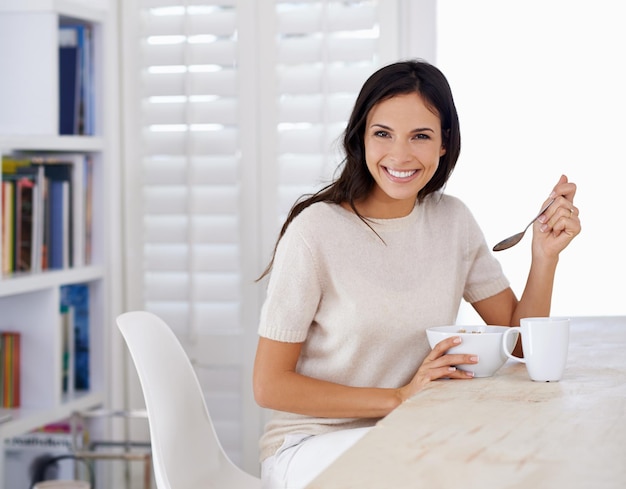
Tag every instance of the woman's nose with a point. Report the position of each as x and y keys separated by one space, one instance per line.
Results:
x=400 y=151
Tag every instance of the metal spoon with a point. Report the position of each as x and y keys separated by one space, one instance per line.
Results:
x=516 y=238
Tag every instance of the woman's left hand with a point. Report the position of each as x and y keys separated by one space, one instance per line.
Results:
x=556 y=227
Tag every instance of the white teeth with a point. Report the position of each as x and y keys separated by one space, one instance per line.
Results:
x=400 y=174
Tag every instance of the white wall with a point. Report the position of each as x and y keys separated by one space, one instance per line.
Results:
x=540 y=89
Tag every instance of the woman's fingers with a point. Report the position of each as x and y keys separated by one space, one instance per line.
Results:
x=560 y=223
x=440 y=364
x=561 y=216
x=565 y=188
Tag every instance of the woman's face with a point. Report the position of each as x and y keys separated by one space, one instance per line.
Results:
x=403 y=144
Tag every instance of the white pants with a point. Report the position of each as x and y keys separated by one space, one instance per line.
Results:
x=302 y=457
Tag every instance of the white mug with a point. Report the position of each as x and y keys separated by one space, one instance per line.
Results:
x=545 y=342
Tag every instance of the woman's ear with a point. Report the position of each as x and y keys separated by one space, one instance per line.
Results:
x=445 y=137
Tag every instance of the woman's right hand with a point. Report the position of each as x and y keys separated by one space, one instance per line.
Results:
x=438 y=364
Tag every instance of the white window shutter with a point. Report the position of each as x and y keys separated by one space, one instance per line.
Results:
x=189 y=238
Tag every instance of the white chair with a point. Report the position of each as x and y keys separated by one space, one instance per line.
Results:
x=185 y=449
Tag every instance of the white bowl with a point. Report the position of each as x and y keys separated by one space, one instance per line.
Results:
x=484 y=341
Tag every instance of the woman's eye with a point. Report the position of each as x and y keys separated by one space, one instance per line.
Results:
x=381 y=134
x=422 y=136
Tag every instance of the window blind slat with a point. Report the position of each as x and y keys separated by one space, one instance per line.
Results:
x=164 y=229
x=217 y=258
x=216 y=317
x=215 y=170
x=218 y=23
x=165 y=200
x=216 y=287
x=223 y=82
x=207 y=258
x=338 y=16
x=216 y=229
x=220 y=111
x=316 y=78
x=315 y=108
x=195 y=143
x=318 y=138
x=309 y=168
x=174 y=288
x=174 y=7
x=318 y=49
x=213 y=318
x=215 y=200
x=175 y=228
x=206 y=170
x=221 y=53
x=166 y=258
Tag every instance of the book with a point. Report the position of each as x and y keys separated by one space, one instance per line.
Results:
x=86 y=104
x=58 y=247
x=7 y=226
x=36 y=214
x=68 y=348
x=76 y=296
x=10 y=363
x=69 y=82
x=76 y=79
x=24 y=189
x=88 y=199
x=44 y=226
x=19 y=215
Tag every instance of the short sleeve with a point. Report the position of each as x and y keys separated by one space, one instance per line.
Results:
x=293 y=292
x=485 y=278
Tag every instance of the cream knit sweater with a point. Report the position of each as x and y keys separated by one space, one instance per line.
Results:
x=361 y=304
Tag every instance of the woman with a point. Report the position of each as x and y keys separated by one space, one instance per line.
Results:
x=364 y=266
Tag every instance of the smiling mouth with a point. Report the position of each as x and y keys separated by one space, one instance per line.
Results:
x=401 y=174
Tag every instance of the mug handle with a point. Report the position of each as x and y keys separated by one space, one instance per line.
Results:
x=517 y=330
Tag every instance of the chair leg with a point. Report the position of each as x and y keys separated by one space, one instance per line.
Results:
x=147 y=472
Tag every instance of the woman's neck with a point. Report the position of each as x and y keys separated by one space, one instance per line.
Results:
x=385 y=208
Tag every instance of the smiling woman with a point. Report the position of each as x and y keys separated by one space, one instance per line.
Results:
x=364 y=266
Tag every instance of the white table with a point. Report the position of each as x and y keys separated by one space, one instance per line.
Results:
x=505 y=431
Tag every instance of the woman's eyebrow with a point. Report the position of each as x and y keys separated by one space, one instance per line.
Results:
x=382 y=126
x=418 y=129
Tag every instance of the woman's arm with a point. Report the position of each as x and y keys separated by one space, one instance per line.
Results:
x=551 y=234
x=278 y=386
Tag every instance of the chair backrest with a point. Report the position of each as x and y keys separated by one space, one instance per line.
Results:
x=185 y=449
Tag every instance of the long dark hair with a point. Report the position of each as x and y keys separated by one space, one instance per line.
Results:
x=355 y=181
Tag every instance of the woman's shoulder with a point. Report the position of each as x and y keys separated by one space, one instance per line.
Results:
x=445 y=203
x=320 y=212
x=318 y=227
x=317 y=219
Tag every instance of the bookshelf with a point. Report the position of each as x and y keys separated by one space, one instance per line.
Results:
x=30 y=300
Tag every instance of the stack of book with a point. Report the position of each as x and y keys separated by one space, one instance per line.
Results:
x=46 y=212
x=9 y=369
